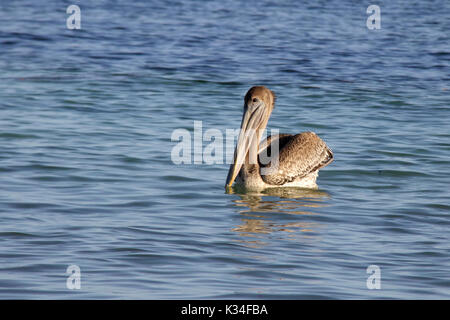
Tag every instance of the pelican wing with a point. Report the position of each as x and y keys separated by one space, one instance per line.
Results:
x=282 y=138
x=299 y=155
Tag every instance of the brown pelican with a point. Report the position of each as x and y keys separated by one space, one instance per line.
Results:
x=282 y=160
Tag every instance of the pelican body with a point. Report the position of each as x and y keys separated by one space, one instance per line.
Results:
x=282 y=160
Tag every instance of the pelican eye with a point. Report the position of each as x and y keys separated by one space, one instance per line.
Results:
x=255 y=100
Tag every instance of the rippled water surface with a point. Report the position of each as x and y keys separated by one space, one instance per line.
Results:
x=86 y=177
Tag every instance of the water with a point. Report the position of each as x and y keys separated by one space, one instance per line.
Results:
x=86 y=176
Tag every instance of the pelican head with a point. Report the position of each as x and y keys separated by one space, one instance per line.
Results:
x=258 y=105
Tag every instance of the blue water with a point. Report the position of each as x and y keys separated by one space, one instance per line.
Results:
x=86 y=175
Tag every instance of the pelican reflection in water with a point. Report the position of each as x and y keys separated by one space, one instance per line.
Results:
x=295 y=159
x=256 y=209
